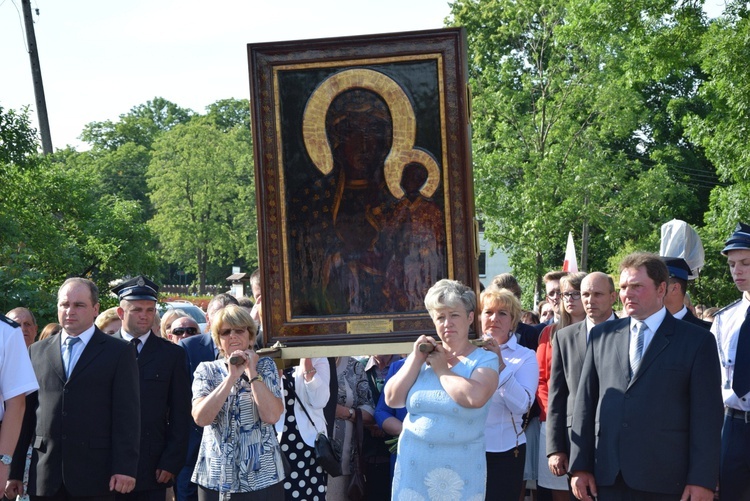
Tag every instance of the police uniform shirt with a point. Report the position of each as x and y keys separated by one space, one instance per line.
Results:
x=726 y=329
x=127 y=337
x=16 y=373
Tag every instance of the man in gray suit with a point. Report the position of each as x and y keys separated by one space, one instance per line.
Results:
x=648 y=413
x=568 y=351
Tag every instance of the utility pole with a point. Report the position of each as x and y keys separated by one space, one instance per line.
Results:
x=36 y=75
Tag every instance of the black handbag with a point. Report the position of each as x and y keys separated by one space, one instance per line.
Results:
x=325 y=454
x=357 y=490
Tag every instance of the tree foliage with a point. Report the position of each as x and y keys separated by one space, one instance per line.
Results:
x=55 y=225
x=563 y=134
x=722 y=132
x=201 y=185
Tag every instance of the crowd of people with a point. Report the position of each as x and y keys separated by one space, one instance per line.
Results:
x=646 y=403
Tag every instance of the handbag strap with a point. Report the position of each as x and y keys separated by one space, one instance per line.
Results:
x=290 y=387
x=360 y=434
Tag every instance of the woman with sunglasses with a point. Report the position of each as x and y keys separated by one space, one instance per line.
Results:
x=571 y=312
x=237 y=399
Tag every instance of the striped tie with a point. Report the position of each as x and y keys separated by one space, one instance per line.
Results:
x=635 y=359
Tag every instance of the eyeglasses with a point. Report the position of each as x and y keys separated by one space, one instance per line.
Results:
x=185 y=331
x=553 y=293
x=237 y=331
x=572 y=296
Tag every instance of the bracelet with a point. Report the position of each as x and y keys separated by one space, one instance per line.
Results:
x=311 y=371
x=256 y=378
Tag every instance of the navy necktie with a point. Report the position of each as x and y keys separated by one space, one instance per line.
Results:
x=741 y=377
x=136 y=342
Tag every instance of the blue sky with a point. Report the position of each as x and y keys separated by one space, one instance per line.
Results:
x=101 y=58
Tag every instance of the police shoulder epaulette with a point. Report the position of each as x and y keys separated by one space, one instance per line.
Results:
x=9 y=321
x=727 y=306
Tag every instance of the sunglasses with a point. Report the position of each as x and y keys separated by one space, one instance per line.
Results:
x=185 y=331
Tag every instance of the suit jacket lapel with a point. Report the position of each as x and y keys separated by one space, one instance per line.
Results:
x=580 y=343
x=90 y=352
x=55 y=356
x=622 y=346
x=656 y=346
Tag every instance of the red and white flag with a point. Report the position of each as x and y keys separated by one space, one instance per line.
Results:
x=571 y=263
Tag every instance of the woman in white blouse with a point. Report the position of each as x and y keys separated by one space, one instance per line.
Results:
x=306 y=393
x=519 y=374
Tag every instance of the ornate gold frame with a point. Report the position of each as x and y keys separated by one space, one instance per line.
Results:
x=345 y=63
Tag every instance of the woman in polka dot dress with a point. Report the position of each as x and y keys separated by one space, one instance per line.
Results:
x=306 y=384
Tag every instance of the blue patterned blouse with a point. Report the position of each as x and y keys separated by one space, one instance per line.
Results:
x=238 y=452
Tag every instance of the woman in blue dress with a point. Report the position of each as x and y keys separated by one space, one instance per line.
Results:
x=441 y=450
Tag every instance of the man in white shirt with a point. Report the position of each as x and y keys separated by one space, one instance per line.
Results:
x=732 y=328
x=17 y=380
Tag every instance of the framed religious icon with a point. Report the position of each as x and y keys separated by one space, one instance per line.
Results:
x=364 y=183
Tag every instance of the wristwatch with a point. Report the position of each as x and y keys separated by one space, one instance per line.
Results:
x=256 y=378
x=5 y=459
x=351 y=413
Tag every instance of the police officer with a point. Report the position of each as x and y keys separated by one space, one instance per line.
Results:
x=732 y=330
x=164 y=389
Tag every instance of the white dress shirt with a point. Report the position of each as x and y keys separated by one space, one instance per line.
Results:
x=515 y=393
x=653 y=323
x=77 y=349
x=726 y=329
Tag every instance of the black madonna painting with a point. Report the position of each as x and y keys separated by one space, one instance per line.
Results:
x=364 y=183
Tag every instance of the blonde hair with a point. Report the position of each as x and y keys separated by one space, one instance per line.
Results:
x=232 y=316
x=504 y=298
x=106 y=317
x=168 y=319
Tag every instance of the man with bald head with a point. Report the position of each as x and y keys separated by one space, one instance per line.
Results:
x=183 y=328
x=26 y=320
x=568 y=351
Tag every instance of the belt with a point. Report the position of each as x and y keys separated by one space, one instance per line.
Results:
x=738 y=414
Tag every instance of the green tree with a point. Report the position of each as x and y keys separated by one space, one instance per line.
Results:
x=561 y=134
x=722 y=133
x=55 y=226
x=201 y=184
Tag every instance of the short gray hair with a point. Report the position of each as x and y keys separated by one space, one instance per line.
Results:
x=450 y=293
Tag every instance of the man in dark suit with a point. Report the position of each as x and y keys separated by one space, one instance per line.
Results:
x=85 y=418
x=164 y=388
x=198 y=349
x=568 y=351
x=648 y=411
x=674 y=300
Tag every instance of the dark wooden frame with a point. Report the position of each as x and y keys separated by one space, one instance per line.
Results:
x=276 y=70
